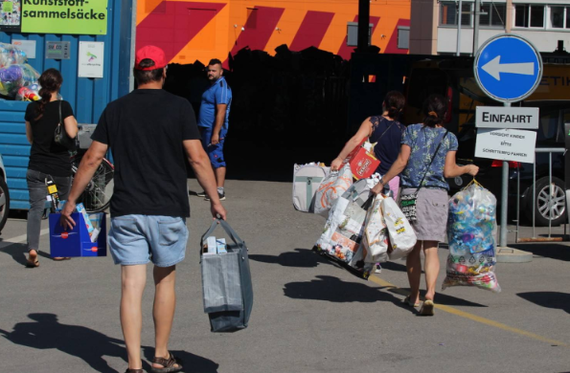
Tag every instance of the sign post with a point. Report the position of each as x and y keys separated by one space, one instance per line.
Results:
x=508 y=68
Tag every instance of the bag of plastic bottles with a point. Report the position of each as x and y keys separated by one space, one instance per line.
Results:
x=11 y=55
x=14 y=77
x=28 y=93
x=471 y=231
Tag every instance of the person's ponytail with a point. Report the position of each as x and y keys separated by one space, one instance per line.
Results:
x=50 y=81
x=435 y=108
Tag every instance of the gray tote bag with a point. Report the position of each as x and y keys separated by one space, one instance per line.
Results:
x=226 y=283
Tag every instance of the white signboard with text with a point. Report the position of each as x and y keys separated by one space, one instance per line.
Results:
x=90 y=59
x=506 y=117
x=506 y=145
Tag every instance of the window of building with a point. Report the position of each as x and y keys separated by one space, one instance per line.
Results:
x=537 y=16
x=448 y=13
x=560 y=17
x=530 y=15
x=403 y=37
x=493 y=14
x=557 y=17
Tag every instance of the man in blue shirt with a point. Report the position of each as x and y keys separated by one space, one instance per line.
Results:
x=213 y=122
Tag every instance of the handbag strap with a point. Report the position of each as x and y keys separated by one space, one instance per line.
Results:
x=60 y=119
x=233 y=235
x=434 y=154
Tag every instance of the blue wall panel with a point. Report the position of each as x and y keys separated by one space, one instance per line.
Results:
x=87 y=96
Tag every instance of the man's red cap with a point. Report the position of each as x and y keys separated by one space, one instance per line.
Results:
x=152 y=53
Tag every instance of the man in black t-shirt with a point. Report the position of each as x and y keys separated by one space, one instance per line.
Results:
x=149 y=132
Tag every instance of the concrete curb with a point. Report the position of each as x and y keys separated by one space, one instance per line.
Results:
x=510 y=255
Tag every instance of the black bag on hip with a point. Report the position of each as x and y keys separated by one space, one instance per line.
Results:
x=61 y=137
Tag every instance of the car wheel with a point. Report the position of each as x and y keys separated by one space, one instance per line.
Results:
x=4 y=202
x=550 y=201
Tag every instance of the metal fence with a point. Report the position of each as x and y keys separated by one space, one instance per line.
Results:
x=552 y=199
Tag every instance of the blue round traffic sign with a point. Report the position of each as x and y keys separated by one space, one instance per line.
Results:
x=508 y=68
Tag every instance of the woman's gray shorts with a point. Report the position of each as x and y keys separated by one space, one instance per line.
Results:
x=432 y=209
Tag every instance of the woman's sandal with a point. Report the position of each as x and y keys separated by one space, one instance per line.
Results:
x=427 y=308
x=32 y=261
x=408 y=301
x=34 y=264
x=129 y=370
x=170 y=364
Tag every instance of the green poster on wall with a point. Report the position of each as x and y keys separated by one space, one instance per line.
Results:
x=85 y=17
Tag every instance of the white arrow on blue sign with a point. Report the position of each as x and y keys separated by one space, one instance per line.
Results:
x=508 y=68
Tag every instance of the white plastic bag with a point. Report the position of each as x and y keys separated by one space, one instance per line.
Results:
x=401 y=234
x=342 y=235
x=306 y=181
x=332 y=187
x=471 y=232
x=375 y=238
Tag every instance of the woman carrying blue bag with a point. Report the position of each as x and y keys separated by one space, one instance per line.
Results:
x=427 y=157
x=48 y=159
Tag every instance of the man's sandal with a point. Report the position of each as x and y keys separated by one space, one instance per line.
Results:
x=170 y=364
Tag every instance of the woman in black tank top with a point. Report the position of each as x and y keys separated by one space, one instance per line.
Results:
x=383 y=130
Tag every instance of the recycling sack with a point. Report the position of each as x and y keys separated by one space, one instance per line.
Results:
x=226 y=283
x=306 y=180
x=332 y=187
x=401 y=234
x=375 y=238
x=471 y=232
x=342 y=234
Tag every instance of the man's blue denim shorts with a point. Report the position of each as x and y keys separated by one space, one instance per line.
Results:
x=139 y=239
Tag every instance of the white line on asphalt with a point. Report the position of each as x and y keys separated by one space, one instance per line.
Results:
x=19 y=239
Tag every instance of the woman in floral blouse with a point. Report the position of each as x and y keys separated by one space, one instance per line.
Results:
x=427 y=157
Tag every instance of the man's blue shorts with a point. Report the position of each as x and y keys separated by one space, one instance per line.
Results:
x=138 y=239
x=215 y=152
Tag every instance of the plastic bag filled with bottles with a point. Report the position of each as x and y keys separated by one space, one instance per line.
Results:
x=14 y=77
x=471 y=231
x=11 y=55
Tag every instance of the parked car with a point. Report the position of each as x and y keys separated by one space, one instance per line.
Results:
x=4 y=195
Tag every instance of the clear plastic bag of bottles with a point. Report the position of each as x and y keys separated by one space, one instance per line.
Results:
x=471 y=232
x=11 y=55
x=14 y=77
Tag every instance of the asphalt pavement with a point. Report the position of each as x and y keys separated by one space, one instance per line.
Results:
x=309 y=315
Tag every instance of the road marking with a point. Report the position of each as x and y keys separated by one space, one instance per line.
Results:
x=467 y=315
x=19 y=239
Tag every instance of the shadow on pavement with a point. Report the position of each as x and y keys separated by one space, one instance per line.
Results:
x=548 y=299
x=17 y=251
x=301 y=258
x=394 y=266
x=45 y=332
x=332 y=289
x=548 y=250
